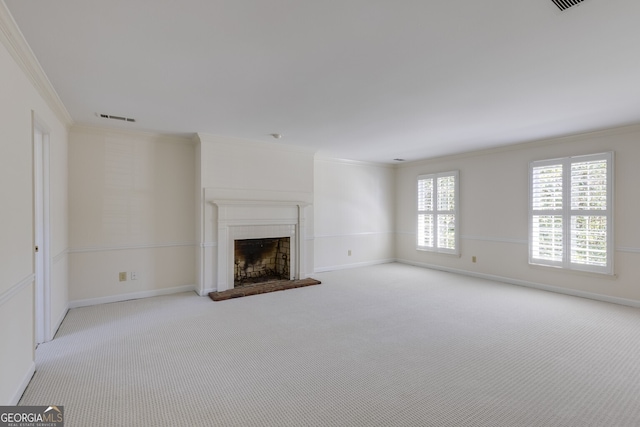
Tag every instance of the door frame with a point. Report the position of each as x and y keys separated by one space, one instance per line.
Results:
x=41 y=230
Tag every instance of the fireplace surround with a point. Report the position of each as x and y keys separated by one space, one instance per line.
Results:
x=258 y=219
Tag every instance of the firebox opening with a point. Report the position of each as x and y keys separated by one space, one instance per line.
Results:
x=261 y=260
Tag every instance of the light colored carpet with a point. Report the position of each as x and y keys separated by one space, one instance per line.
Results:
x=389 y=345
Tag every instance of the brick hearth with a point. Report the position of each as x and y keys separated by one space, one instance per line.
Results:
x=261 y=288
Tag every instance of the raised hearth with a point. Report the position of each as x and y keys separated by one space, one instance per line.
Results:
x=262 y=288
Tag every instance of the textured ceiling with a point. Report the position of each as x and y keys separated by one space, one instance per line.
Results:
x=369 y=80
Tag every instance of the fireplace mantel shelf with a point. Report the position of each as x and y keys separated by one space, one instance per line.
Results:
x=240 y=202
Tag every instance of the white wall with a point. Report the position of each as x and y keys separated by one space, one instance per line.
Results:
x=25 y=91
x=353 y=211
x=494 y=214
x=131 y=210
x=59 y=222
x=237 y=169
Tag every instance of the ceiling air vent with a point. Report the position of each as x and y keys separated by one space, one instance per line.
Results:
x=566 y=4
x=109 y=116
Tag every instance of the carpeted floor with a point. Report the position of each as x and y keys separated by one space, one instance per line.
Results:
x=388 y=345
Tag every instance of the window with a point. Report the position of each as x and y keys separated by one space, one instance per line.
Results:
x=570 y=213
x=438 y=212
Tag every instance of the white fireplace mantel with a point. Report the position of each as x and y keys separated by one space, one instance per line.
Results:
x=248 y=219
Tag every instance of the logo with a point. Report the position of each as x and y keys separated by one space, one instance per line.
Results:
x=31 y=416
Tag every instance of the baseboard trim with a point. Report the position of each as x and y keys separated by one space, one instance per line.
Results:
x=354 y=265
x=58 y=323
x=23 y=385
x=528 y=284
x=134 y=295
x=205 y=292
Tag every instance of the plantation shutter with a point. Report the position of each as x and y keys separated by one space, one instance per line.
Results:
x=446 y=212
x=426 y=232
x=547 y=221
x=589 y=213
x=570 y=220
x=437 y=199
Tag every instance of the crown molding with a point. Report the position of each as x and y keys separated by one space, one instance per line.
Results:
x=126 y=133
x=349 y=162
x=251 y=144
x=598 y=133
x=15 y=43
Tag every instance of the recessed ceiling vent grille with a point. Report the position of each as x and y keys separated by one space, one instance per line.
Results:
x=109 y=116
x=565 y=4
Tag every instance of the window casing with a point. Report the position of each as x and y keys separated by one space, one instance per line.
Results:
x=571 y=213
x=437 y=218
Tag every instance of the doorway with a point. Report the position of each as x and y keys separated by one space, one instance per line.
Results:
x=41 y=227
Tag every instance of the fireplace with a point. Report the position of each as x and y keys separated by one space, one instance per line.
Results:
x=275 y=223
x=261 y=260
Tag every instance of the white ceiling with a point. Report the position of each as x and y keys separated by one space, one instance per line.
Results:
x=369 y=80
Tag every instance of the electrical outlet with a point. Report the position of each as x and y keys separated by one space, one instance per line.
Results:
x=123 y=276
x=349 y=252
x=134 y=275
x=473 y=258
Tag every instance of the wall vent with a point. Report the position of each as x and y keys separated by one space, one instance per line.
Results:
x=565 y=4
x=109 y=116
